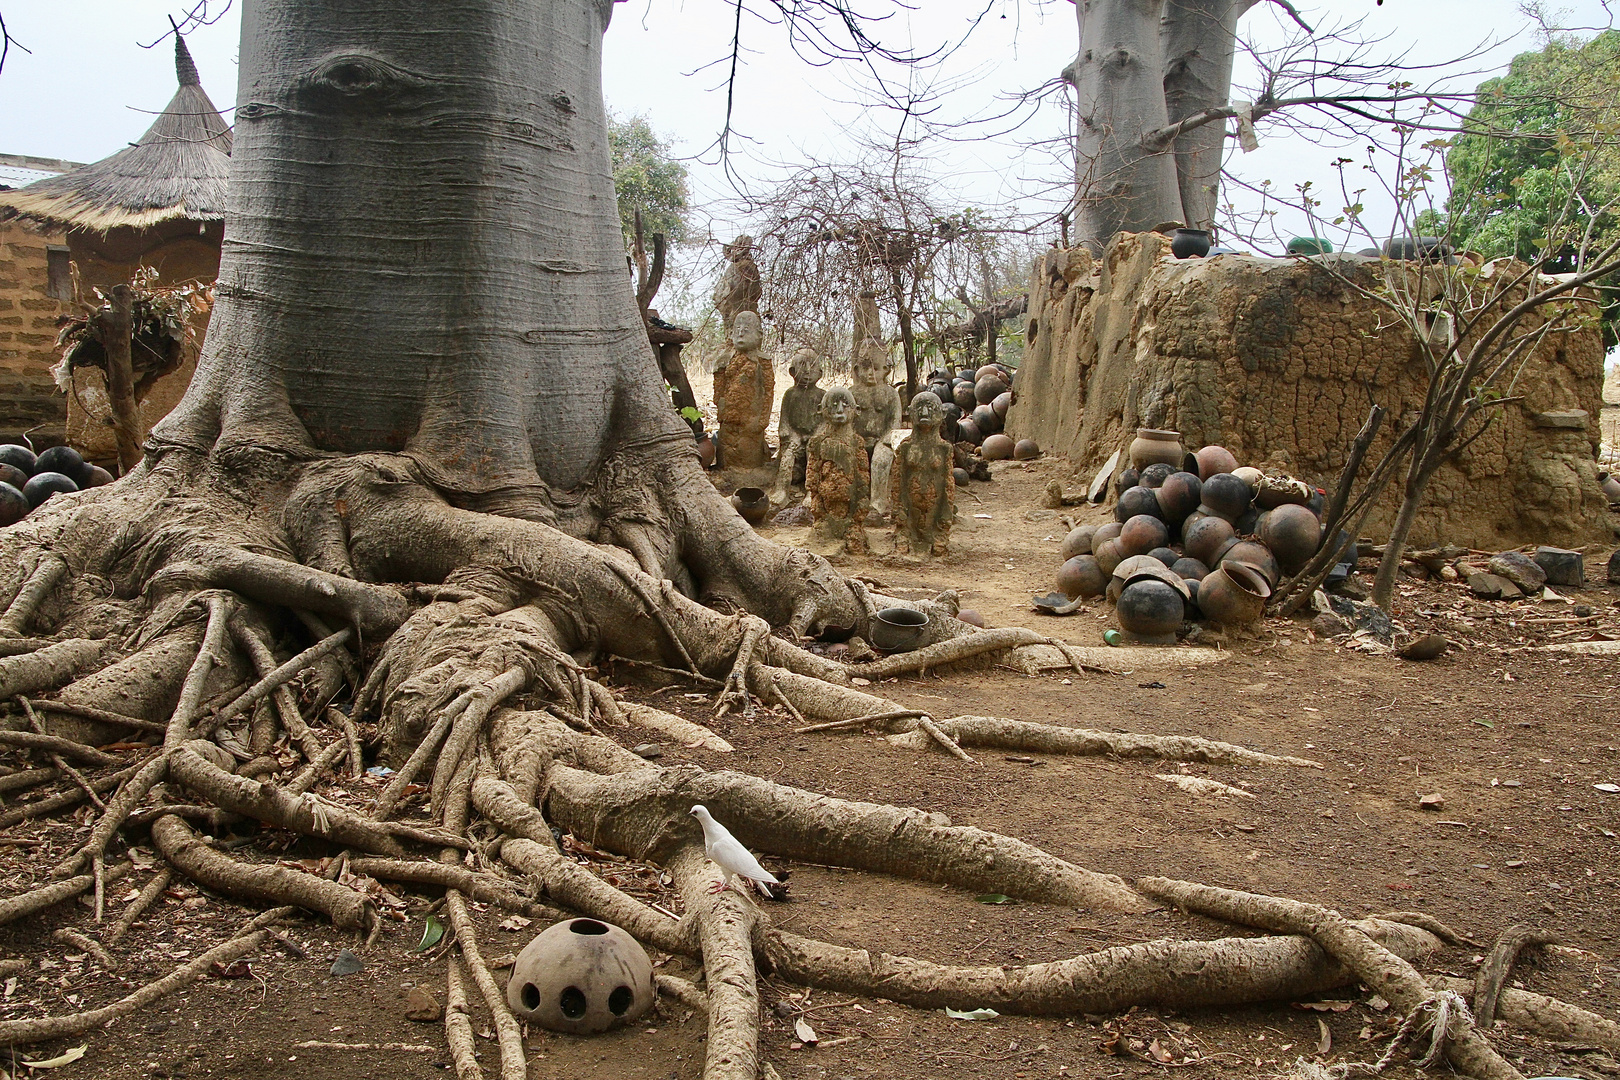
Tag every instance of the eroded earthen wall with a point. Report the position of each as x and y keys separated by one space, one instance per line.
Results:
x=29 y=399
x=1280 y=361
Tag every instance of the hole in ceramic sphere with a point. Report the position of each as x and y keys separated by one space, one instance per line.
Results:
x=619 y=1001
x=587 y=926
x=572 y=1002
x=531 y=996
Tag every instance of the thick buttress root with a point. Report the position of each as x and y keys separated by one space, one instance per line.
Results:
x=473 y=647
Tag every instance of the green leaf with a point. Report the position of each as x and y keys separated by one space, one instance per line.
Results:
x=993 y=898
x=690 y=413
x=432 y=934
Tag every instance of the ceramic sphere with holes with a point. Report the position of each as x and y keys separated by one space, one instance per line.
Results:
x=581 y=976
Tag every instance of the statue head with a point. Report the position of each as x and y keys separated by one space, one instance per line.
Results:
x=805 y=367
x=838 y=407
x=739 y=248
x=870 y=364
x=747 y=335
x=927 y=411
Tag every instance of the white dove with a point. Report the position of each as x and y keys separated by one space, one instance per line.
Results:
x=727 y=853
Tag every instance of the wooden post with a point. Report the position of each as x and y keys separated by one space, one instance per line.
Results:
x=116 y=328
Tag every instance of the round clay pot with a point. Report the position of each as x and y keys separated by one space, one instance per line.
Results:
x=1293 y=534
x=967 y=374
x=1179 y=496
x=13 y=505
x=1255 y=554
x=963 y=397
x=10 y=474
x=1150 y=611
x=1201 y=540
x=1026 y=450
x=967 y=431
x=1002 y=403
x=1107 y=555
x=989 y=387
x=1214 y=459
x=1134 y=501
x=1248 y=522
x=1610 y=487
x=986 y=420
x=1191 y=243
x=898 y=629
x=752 y=503
x=1081 y=576
x=1126 y=481
x=1189 y=569
x=1109 y=530
x=20 y=456
x=961 y=476
x=987 y=370
x=41 y=486
x=948 y=426
x=971 y=617
x=1224 y=495
x=581 y=976
x=998 y=448
x=1142 y=534
x=1078 y=542
x=1164 y=554
x=1277 y=491
x=1233 y=595
x=99 y=477
x=65 y=460
x=1152 y=445
x=1249 y=475
x=1156 y=474
x=1194 y=518
x=707 y=451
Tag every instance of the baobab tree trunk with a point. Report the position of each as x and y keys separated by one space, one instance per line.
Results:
x=1199 y=39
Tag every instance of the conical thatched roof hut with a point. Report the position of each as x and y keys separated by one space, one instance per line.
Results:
x=177 y=171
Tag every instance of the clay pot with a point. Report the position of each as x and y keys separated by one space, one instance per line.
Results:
x=1078 y=542
x=1142 y=534
x=898 y=629
x=987 y=370
x=967 y=431
x=1276 y=491
x=1255 y=554
x=1224 y=495
x=998 y=448
x=971 y=617
x=960 y=476
x=1202 y=540
x=1107 y=555
x=581 y=976
x=1191 y=243
x=1248 y=523
x=986 y=420
x=1026 y=450
x=13 y=505
x=963 y=397
x=1107 y=531
x=1426 y=248
x=1002 y=403
x=1156 y=474
x=1179 y=496
x=706 y=450
x=1152 y=445
x=1126 y=481
x=1189 y=569
x=1609 y=486
x=1249 y=475
x=65 y=460
x=19 y=456
x=1081 y=576
x=989 y=387
x=10 y=474
x=1214 y=459
x=1150 y=611
x=1233 y=595
x=1164 y=554
x=1134 y=501
x=967 y=374
x=41 y=486
x=752 y=503
x=1293 y=534
x=947 y=426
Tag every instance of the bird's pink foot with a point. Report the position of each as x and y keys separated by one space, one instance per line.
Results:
x=718 y=887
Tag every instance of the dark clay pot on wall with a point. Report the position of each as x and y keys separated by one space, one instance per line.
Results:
x=1190 y=243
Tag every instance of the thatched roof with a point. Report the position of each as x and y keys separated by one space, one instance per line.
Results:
x=178 y=169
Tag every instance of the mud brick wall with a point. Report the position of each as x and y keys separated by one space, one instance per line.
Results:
x=29 y=399
x=1279 y=361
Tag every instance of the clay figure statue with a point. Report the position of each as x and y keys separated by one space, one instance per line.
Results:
x=743 y=392
x=738 y=289
x=838 y=476
x=922 y=491
x=799 y=419
x=877 y=404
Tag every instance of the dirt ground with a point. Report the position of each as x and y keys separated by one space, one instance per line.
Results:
x=1513 y=739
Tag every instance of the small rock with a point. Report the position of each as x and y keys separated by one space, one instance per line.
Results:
x=648 y=750
x=346 y=963
x=1327 y=624
x=793 y=515
x=1432 y=801
x=1350 y=587
x=859 y=651
x=1492 y=586
x=1614 y=568
x=1448 y=573
x=1562 y=567
x=1520 y=569
x=423 y=1007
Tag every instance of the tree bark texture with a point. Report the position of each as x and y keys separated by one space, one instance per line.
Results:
x=116 y=327
x=1199 y=39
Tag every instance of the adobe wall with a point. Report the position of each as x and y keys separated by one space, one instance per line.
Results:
x=1279 y=361
x=29 y=399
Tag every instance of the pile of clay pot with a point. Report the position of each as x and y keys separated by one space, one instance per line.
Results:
x=976 y=403
x=1187 y=545
x=27 y=481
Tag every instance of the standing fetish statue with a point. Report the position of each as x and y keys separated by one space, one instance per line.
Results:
x=877 y=404
x=799 y=419
x=837 y=475
x=743 y=393
x=922 y=491
x=738 y=289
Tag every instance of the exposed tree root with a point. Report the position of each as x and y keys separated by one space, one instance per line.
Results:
x=950 y=651
x=687 y=993
x=41 y=897
x=73 y=797
x=1017 y=735
x=50 y=667
x=1544 y=1016
x=514 y=1066
x=101 y=716
x=458 y=1024
x=674 y=727
x=64 y=747
x=725 y=927
x=484 y=888
x=46 y=575
x=1498 y=965
x=137 y=907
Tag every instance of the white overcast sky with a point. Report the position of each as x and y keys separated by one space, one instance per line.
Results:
x=87 y=87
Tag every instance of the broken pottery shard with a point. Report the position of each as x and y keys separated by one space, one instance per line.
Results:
x=346 y=963
x=1520 y=569
x=423 y=1007
x=1562 y=567
x=1099 y=483
x=1432 y=801
x=1492 y=586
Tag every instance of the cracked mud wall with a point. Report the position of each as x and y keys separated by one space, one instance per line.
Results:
x=1279 y=361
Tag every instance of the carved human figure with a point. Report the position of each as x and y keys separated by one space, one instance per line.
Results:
x=922 y=491
x=837 y=475
x=877 y=404
x=799 y=419
x=743 y=392
x=738 y=289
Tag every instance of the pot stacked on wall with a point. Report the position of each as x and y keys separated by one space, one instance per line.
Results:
x=1195 y=536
